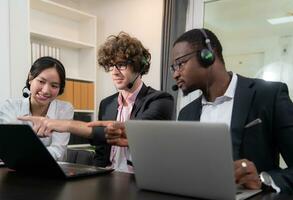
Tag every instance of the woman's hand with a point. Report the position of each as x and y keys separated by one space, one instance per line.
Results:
x=44 y=126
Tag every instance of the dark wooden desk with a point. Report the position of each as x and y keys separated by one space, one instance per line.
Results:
x=109 y=187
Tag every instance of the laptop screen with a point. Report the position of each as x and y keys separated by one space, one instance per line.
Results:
x=22 y=150
x=186 y=158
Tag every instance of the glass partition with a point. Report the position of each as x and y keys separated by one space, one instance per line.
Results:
x=256 y=36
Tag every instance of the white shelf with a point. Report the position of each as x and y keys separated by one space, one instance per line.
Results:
x=71 y=31
x=60 y=10
x=80 y=79
x=35 y=35
x=84 y=111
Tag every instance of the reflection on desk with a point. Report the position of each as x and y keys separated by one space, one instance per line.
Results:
x=114 y=186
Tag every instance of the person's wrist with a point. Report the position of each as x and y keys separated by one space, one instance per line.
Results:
x=68 y=125
x=91 y=133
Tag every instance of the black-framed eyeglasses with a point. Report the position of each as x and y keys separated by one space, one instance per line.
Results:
x=179 y=62
x=119 y=65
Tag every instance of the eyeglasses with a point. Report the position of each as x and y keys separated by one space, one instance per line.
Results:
x=119 y=66
x=179 y=62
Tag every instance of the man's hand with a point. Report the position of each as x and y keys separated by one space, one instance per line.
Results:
x=99 y=123
x=115 y=134
x=44 y=126
x=246 y=174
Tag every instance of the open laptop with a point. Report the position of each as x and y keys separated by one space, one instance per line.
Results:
x=23 y=151
x=185 y=158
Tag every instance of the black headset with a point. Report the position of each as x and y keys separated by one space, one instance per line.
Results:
x=26 y=90
x=206 y=56
x=144 y=62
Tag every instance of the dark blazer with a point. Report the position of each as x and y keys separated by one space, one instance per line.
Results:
x=263 y=142
x=150 y=104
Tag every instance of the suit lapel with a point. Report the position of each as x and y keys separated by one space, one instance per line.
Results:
x=196 y=110
x=139 y=100
x=192 y=111
x=112 y=109
x=242 y=102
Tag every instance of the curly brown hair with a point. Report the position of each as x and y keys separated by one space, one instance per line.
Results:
x=124 y=47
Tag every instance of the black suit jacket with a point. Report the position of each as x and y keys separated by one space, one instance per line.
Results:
x=264 y=142
x=150 y=104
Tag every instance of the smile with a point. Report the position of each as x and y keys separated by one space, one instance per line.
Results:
x=43 y=98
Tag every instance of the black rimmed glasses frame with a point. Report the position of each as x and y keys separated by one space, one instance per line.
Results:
x=179 y=62
x=120 y=66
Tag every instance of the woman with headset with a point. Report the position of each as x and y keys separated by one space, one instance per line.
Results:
x=126 y=60
x=46 y=80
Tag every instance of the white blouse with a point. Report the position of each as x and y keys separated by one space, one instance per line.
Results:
x=57 y=142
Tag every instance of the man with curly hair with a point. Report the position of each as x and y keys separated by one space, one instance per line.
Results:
x=127 y=60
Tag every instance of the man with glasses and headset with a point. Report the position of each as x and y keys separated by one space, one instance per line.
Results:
x=259 y=113
x=127 y=60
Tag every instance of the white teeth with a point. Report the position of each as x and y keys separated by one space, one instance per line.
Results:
x=42 y=97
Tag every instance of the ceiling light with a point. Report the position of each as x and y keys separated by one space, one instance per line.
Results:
x=280 y=20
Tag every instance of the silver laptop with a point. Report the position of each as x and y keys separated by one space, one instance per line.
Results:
x=23 y=151
x=185 y=158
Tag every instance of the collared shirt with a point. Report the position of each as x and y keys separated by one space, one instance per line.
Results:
x=120 y=155
x=221 y=109
x=57 y=142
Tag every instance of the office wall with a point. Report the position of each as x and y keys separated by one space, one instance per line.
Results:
x=142 y=19
x=19 y=48
x=268 y=57
x=4 y=50
x=14 y=51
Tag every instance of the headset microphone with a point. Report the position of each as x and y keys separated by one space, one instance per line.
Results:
x=175 y=87
x=144 y=62
x=130 y=84
x=25 y=93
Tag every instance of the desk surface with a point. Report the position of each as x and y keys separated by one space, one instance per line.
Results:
x=112 y=186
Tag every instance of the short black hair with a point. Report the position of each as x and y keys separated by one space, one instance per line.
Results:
x=197 y=40
x=44 y=63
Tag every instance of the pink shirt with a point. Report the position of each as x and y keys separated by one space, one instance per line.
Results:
x=120 y=155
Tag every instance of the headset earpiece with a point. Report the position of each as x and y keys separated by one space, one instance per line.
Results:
x=144 y=63
x=206 y=56
x=25 y=92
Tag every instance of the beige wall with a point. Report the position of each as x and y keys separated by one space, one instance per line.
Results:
x=4 y=51
x=141 y=19
x=14 y=51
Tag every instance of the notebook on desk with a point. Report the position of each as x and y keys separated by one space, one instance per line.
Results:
x=23 y=151
x=184 y=158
